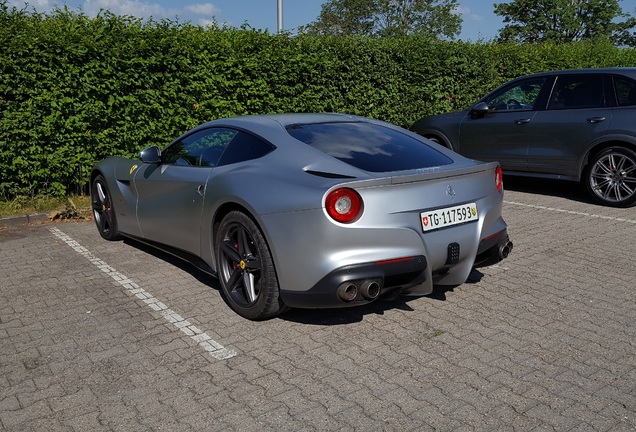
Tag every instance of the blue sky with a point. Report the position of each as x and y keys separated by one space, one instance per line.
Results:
x=479 y=19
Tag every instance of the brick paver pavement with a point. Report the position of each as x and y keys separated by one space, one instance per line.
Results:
x=101 y=336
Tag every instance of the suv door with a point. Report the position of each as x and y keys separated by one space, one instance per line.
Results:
x=502 y=134
x=577 y=114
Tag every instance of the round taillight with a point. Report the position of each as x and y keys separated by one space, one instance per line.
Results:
x=499 y=178
x=343 y=205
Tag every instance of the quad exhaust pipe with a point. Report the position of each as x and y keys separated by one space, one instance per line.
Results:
x=370 y=289
x=347 y=291
x=505 y=249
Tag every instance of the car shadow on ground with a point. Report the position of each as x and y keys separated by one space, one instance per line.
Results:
x=186 y=266
x=350 y=315
x=557 y=188
x=340 y=316
x=323 y=317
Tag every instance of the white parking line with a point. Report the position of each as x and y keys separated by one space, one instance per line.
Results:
x=592 y=215
x=215 y=349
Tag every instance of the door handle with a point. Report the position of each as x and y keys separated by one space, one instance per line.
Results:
x=596 y=119
x=522 y=121
x=200 y=190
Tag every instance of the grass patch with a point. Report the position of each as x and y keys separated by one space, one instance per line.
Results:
x=45 y=204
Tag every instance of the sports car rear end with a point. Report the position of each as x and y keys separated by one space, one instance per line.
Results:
x=425 y=216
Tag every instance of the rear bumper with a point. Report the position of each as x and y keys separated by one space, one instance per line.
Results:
x=349 y=285
x=390 y=275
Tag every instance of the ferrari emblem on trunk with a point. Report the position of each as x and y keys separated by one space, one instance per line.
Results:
x=450 y=191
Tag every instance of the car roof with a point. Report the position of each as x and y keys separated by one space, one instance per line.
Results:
x=630 y=71
x=272 y=127
x=272 y=120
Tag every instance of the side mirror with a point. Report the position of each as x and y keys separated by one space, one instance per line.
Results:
x=480 y=109
x=150 y=155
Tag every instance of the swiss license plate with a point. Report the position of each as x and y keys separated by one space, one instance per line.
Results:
x=440 y=218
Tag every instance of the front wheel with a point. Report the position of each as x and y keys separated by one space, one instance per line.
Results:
x=611 y=177
x=246 y=269
x=103 y=211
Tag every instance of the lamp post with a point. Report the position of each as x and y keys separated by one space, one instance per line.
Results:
x=280 y=16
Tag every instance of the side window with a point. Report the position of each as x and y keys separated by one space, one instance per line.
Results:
x=202 y=148
x=625 y=91
x=578 y=91
x=520 y=96
x=245 y=147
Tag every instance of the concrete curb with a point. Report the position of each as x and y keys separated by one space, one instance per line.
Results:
x=14 y=221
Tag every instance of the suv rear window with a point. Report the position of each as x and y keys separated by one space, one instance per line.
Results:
x=625 y=91
x=369 y=146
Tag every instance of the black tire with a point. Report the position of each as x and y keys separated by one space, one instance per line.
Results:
x=246 y=269
x=103 y=210
x=611 y=177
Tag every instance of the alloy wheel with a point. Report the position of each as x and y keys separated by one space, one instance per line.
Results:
x=612 y=177
x=241 y=265
x=245 y=268
x=103 y=210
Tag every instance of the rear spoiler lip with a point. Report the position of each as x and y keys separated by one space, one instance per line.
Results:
x=438 y=173
x=423 y=174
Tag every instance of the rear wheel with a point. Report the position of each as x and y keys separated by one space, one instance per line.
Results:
x=103 y=211
x=246 y=269
x=611 y=177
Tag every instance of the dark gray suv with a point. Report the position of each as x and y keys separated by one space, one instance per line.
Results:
x=577 y=125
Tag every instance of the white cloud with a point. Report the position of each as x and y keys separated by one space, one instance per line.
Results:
x=467 y=14
x=136 y=8
x=197 y=13
x=38 y=5
x=206 y=9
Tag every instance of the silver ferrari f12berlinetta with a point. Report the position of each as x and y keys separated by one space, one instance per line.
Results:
x=308 y=210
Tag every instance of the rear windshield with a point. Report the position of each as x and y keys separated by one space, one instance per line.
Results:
x=369 y=146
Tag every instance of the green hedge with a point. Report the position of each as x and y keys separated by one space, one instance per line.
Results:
x=74 y=89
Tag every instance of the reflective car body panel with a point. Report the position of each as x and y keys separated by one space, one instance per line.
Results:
x=282 y=183
x=557 y=140
x=390 y=228
x=171 y=193
x=503 y=128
